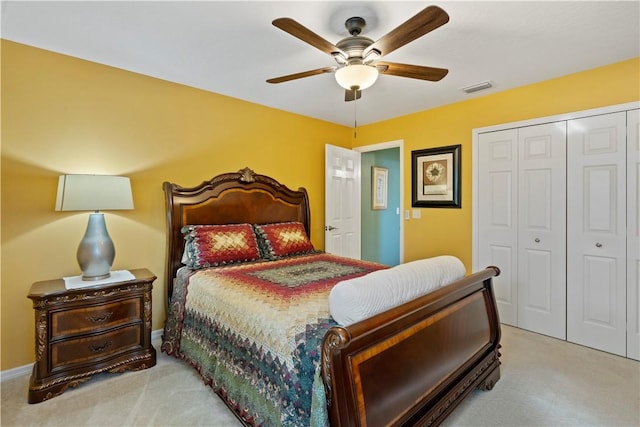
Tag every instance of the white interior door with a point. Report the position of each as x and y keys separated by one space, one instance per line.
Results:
x=633 y=233
x=342 y=201
x=541 y=276
x=596 y=232
x=497 y=216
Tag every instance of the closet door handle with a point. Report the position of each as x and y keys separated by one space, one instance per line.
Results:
x=536 y=240
x=598 y=245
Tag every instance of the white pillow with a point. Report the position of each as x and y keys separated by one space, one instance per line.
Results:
x=356 y=299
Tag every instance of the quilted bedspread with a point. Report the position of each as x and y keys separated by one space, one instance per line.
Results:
x=254 y=331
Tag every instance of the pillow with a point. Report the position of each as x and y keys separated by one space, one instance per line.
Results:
x=215 y=245
x=282 y=239
x=359 y=298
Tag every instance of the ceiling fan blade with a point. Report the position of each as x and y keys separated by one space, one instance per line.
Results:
x=306 y=35
x=352 y=94
x=302 y=74
x=420 y=24
x=412 y=71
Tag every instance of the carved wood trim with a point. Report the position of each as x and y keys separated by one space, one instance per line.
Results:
x=41 y=334
x=147 y=310
x=335 y=339
x=65 y=298
x=115 y=368
x=247 y=175
x=464 y=386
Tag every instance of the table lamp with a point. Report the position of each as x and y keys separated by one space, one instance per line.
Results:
x=94 y=193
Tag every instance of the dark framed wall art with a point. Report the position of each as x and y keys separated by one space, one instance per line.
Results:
x=435 y=177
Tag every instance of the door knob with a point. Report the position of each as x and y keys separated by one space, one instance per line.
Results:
x=330 y=228
x=598 y=245
x=536 y=240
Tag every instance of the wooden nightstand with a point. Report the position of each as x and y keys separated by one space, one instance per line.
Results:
x=86 y=331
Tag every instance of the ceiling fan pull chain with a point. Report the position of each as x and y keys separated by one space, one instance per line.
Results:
x=355 y=117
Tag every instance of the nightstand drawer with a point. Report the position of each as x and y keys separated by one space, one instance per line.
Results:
x=86 y=319
x=95 y=348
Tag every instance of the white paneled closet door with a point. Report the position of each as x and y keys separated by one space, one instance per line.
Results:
x=522 y=223
x=596 y=232
x=497 y=216
x=633 y=234
x=542 y=229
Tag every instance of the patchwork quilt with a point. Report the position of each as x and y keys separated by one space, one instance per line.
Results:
x=253 y=331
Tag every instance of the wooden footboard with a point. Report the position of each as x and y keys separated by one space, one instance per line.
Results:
x=412 y=365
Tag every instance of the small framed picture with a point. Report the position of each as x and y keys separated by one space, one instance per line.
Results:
x=379 y=187
x=435 y=177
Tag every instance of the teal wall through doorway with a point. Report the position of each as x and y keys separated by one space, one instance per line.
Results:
x=381 y=228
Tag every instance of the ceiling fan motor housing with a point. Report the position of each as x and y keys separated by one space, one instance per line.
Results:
x=353 y=47
x=355 y=25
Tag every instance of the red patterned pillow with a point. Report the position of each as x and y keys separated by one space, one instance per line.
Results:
x=214 y=245
x=283 y=239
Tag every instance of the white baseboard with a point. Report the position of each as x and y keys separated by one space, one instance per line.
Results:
x=20 y=371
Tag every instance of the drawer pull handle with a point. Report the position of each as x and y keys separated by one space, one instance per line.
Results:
x=100 y=348
x=100 y=319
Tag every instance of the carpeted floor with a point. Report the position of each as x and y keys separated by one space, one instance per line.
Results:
x=545 y=382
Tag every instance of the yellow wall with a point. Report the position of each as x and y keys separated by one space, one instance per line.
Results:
x=449 y=230
x=64 y=115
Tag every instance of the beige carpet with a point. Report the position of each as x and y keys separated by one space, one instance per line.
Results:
x=545 y=382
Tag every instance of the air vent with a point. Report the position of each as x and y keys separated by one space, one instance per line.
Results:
x=478 y=86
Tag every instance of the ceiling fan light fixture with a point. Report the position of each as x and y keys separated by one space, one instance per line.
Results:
x=357 y=75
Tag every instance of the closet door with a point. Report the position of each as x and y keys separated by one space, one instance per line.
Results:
x=541 y=274
x=596 y=232
x=497 y=215
x=633 y=232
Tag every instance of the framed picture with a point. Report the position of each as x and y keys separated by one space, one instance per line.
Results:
x=435 y=177
x=379 y=187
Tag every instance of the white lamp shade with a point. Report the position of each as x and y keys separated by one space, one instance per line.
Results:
x=357 y=75
x=93 y=193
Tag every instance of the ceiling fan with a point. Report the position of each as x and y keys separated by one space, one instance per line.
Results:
x=359 y=58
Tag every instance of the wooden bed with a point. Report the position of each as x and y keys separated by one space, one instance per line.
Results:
x=411 y=365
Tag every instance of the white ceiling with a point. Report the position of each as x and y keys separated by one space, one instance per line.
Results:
x=231 y=48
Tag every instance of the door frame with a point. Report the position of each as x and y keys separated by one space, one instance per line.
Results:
x=504 y=126
x=383 y=146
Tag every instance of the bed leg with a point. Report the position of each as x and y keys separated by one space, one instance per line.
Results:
x=490 y=380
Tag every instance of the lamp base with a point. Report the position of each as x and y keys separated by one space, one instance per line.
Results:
x=93 y=278
x=96 y=251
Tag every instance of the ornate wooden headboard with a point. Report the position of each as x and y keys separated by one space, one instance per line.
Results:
x=230 y=198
